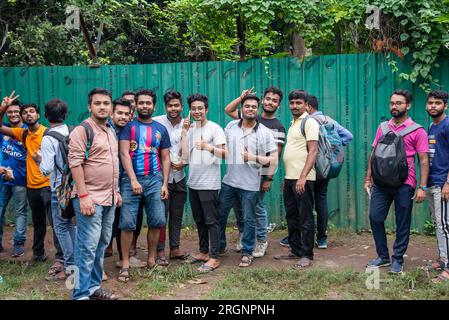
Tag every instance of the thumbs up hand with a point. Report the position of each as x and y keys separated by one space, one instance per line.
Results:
x=201 y=144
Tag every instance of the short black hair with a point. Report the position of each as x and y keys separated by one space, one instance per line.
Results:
x=56 y=110
x=98 y=91
x=312 y=101
x=127 y=93
x=145 y=92
x=298 y=94
x=198 y=97
x=438 y=94
x=121 y=102
x=250 y=97
x=29 y=105
x=15 y=103
x=405 y=93
x=274 y=90
x=172 y=94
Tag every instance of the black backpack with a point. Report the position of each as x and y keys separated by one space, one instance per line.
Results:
x=64 y=190
x=389 y=166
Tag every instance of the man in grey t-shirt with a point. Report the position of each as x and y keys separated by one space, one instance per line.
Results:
x=251 y=147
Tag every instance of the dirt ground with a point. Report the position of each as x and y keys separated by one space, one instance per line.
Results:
x=346 y=250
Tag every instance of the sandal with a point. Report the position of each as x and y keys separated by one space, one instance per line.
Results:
x=204 y=268
x=289 y=256
x=303 y=263
x=442 y=277
x=55 y=268
x=123 y=275
x=246 y=261
x=183 y=256
x=102 y=294
x=438 y=265
x=162 y=261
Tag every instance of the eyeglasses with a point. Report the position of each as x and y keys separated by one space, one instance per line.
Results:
x=396 y=103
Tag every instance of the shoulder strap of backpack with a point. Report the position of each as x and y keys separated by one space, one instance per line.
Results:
x=409 y=129
x=384 y=127
x=24 y=135
x=303 y=125
x=58 y=136
x=90 y=137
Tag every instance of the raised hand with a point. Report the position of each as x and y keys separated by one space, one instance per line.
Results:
x=247 y=92
x=7 y=101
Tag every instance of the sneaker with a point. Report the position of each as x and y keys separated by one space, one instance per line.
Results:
x=284 y=242
x=37 y=259
x=378 y=262
x=239 y=246
x=260 y=248
x=17 y=251
x=271 y=227
x=396 y=267
x=321 y=244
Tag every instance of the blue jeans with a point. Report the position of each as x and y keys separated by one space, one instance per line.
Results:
x=20 y=211
x=381 y=199
x=248 y=200
x=261 y=216
x=65 y=231
x=154 y=206
x=93 y=234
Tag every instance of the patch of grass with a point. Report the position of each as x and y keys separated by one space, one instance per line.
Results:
x=324 y=284
x=160 y=280
x=18 y=276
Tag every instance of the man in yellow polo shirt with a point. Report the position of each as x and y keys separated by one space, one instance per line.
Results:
x=38 y=186
x=299 y=160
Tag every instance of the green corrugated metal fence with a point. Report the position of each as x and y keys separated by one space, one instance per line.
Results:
x=353 y=89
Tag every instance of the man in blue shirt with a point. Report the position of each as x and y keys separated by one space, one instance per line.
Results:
x=320 y=186
x=14 y=157
x=438 y=181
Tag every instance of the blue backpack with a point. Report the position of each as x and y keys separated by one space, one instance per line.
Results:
x=331 y=154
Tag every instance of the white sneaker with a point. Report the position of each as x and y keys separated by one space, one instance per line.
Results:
x=259 y=249
x=239 y=246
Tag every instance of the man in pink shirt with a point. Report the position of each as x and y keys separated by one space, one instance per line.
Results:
x=414 y=139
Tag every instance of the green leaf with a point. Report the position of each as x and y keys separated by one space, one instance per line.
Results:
x=405 y=50
x=404 y=36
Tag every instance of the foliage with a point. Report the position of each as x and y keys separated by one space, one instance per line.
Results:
x=145 y=31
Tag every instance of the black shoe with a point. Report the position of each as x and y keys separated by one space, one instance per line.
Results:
x=37 y=259
x=102 y=294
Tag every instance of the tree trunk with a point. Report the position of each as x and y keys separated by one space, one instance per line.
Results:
x=241 y=36
x=338 y=42
x=299 y=46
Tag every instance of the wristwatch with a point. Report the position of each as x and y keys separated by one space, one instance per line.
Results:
x=424 y=188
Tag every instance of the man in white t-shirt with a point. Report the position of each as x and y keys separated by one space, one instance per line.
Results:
x=203 y=147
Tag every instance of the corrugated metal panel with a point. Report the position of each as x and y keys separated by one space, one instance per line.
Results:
x=354 y=89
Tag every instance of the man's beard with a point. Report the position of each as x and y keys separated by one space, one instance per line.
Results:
x=31 y=123
x=436 y=115
x=145 y=116
x=400 y=114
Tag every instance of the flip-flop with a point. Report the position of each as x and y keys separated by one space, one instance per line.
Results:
x=162 y=261
x=204 y=268
x=123 y=275
x=289 y=256
x=440 y=278
x=183 y=257
x=193 y=260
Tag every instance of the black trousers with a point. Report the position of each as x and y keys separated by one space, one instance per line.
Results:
x=299 y=215
x=174 y=210
x=204 y=204
x=322 y=211
x=40 y=204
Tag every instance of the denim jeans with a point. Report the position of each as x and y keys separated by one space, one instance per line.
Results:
x=261 y=216
x=93 y=234
x=248 y=200
x=65 y=231
x=154 y=206
x=19 y=193
x=381 y=199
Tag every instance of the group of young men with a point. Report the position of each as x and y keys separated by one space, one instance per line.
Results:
x=123 y=160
